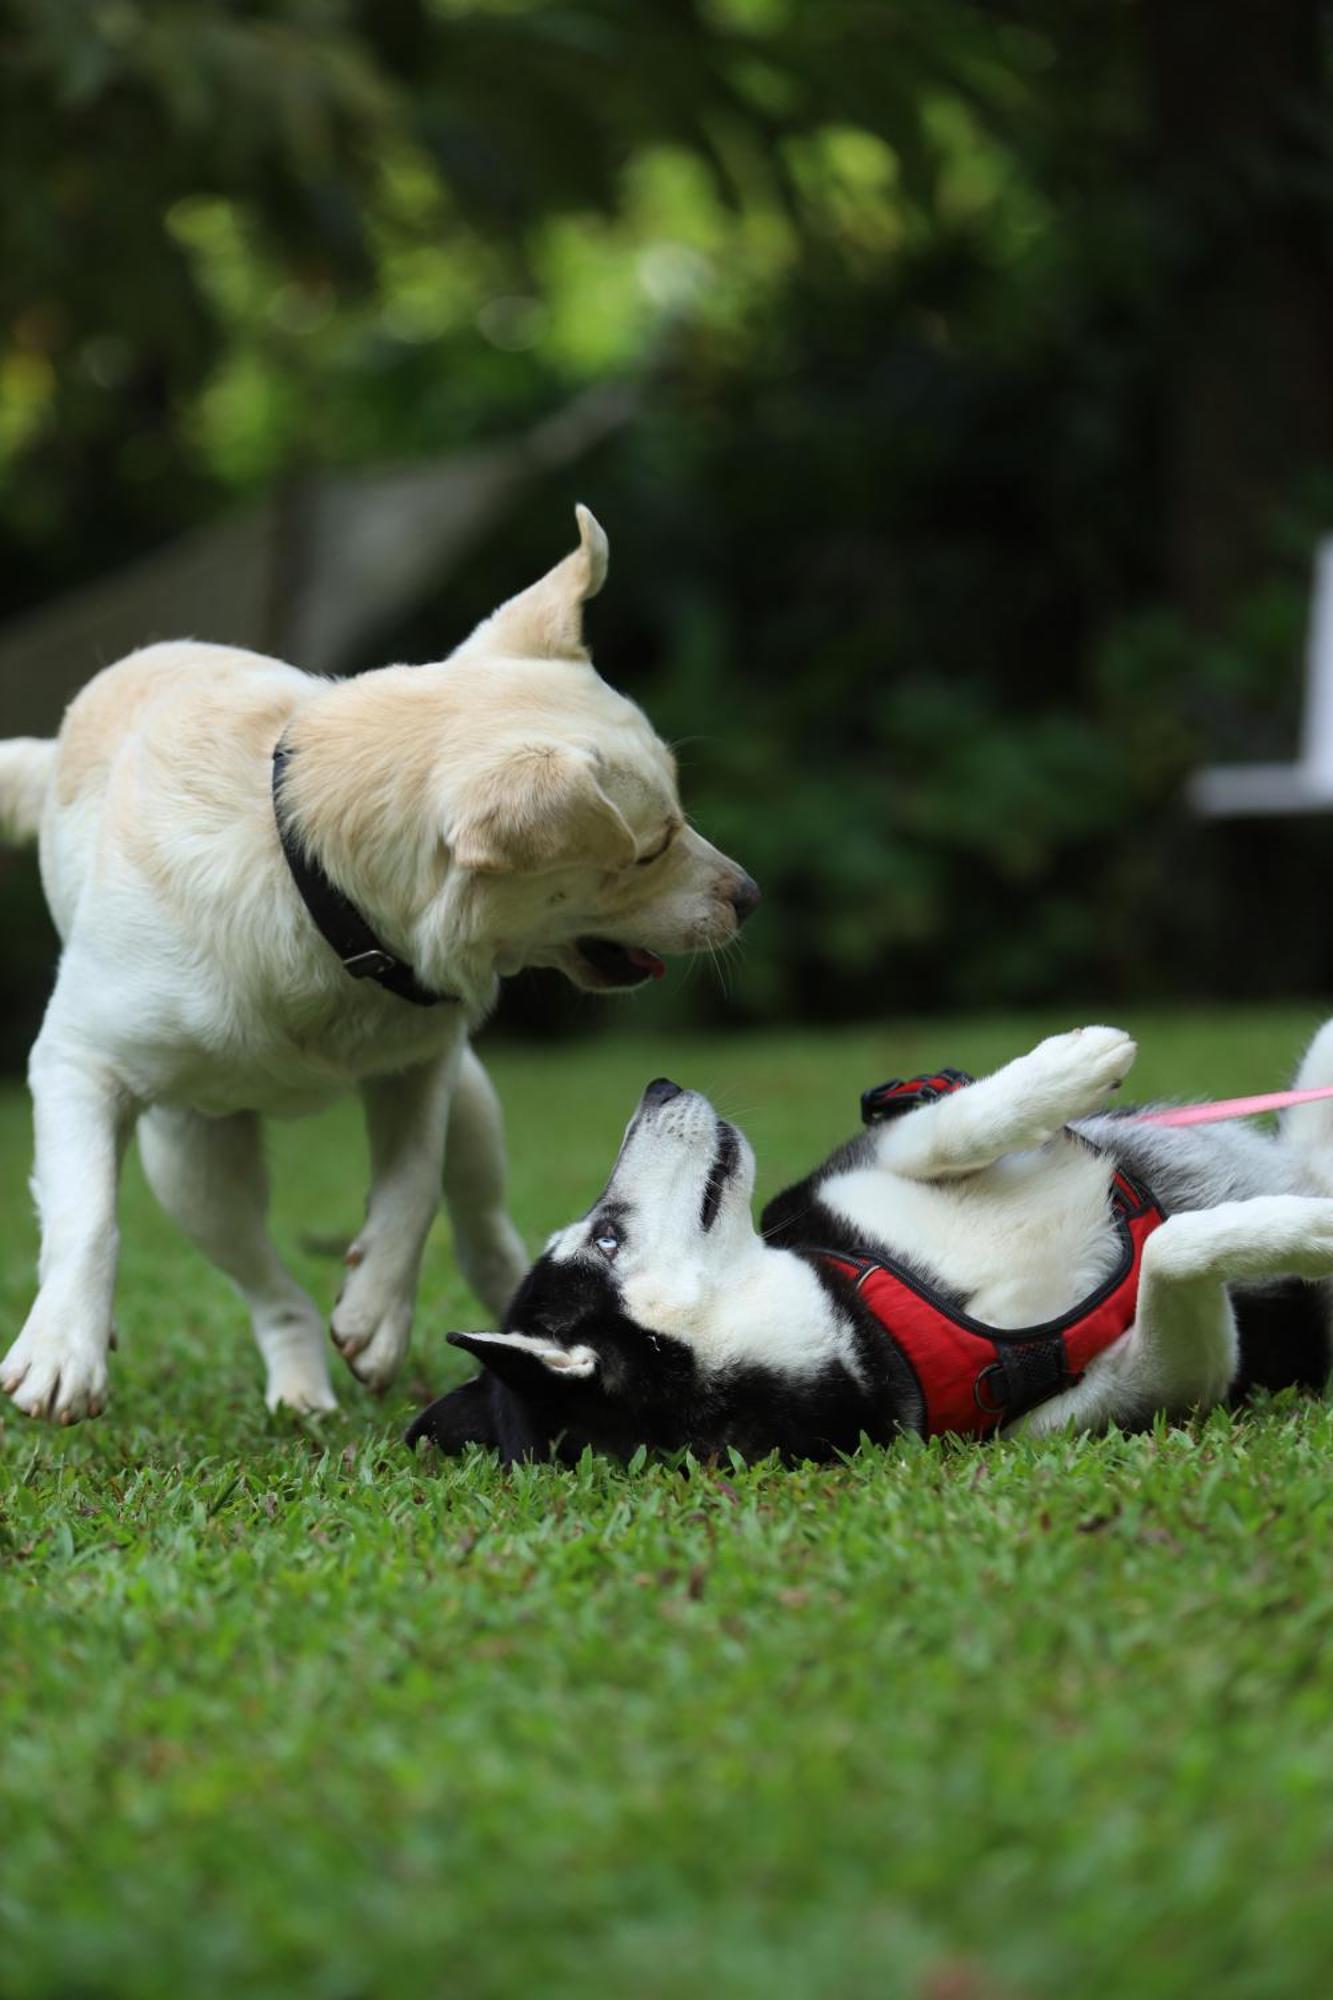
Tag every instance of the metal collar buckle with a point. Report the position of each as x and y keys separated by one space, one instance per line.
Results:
x=370 y=964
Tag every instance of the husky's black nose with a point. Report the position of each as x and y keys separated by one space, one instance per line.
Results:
x=745 y=898
x=661 y=1091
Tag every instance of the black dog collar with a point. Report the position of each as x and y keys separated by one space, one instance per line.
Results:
x=338 y=920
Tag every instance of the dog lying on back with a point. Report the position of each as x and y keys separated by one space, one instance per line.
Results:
x=1002 y=1256
x=273 y=889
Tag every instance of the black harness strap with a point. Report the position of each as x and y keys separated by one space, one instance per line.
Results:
x=1023 y=1374
x=338 y=920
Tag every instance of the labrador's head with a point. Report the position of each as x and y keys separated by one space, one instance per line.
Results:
x=505 y=808
x=567 y=841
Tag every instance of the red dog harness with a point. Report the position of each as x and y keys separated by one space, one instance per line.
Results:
x=973 y=1377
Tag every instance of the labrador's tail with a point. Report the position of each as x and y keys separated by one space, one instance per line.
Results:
x=26 y=765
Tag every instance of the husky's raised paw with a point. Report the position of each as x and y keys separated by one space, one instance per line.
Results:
x=1074 y=1075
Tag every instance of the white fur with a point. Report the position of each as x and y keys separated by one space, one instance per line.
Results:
x=724 y=1292
x=578 y=1362
x=1181 y=1352
x=484 y=813
x=1024 y=1104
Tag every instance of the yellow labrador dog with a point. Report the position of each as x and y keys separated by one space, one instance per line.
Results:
x=272 y=889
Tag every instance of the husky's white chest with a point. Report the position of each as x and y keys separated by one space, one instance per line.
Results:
x=1023 y=1241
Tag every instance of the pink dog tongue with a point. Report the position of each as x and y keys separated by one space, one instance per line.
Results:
x=646 y=961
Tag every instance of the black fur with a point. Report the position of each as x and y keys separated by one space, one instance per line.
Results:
x=648 y=1389
x=1284 y=1336
x=723 y=1167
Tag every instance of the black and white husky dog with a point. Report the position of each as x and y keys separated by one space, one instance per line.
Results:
x=1010 y=1218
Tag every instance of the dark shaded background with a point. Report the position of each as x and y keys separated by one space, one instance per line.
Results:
x=983 y=359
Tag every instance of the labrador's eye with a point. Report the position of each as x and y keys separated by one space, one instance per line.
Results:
x=647 y=860
x=607 y=1241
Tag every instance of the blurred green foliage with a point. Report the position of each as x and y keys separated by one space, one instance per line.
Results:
x=987 y=422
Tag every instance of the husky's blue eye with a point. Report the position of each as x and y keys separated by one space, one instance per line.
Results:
x=607 y=1241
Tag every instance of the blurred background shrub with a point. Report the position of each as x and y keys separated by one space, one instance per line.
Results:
x=981 y=361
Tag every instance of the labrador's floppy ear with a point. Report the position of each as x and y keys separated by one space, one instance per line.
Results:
x=524 y=1359
x=545 y=621
x=541 y=807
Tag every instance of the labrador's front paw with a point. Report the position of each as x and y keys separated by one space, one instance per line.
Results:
x=372 y=1321
x=55 y=1369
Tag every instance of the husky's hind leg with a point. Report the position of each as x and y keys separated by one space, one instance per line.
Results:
x=1309 y=1127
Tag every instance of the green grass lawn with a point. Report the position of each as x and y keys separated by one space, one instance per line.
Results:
x=285 y=1713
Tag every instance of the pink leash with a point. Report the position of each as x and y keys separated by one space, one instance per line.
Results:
x=1232 y=1107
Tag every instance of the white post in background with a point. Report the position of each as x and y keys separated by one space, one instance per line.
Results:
x=1232 y=791
x=1317 y=731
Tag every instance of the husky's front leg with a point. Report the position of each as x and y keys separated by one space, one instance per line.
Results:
x=1022 y=1105
x=406 y=1119
x=1181 y=1352
x=81 y=1116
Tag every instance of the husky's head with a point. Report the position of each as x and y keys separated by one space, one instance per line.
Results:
x=662 y=1318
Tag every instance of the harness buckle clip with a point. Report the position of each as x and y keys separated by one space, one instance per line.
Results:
x=982 y=1400
x=904 y=1093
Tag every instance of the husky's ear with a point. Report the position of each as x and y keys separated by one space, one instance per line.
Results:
x=545 y=621
x=542 y=807
x=465 y=1416
x=523 y=1359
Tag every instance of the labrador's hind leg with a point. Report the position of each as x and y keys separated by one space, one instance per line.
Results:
x=488 y=1247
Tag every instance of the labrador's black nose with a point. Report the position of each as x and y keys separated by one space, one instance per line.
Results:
x=661 y=1091
x=745 y=898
